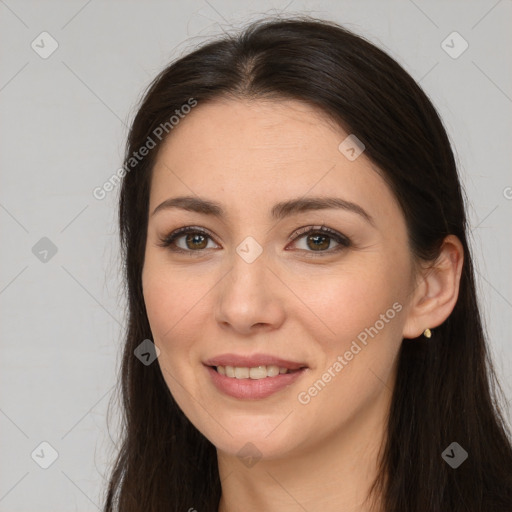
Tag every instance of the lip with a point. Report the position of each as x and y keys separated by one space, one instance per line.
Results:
x=253 y=361
x=252 y=389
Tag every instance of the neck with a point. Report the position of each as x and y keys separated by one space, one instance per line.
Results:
x=332 y=475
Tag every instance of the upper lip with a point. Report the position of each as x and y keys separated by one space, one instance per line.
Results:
x=253 y=361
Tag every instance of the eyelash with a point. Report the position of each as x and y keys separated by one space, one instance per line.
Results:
x=343 y=241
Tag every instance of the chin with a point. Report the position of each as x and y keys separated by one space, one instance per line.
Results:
x=252 y=436
x=254 y=447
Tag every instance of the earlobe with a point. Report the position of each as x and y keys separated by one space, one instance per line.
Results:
x=438 y=290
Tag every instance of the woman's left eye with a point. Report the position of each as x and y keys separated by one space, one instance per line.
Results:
x=317 y=238
x=320 y=237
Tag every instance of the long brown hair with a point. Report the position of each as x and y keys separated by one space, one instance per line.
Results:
x=446 y=389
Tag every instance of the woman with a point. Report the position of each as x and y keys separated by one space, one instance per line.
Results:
x=295 y=245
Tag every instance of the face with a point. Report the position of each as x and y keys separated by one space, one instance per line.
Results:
x=307 y=305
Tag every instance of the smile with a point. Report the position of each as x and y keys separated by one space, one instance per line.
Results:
x=252 y=383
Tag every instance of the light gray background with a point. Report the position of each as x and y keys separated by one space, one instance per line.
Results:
x=63 y=125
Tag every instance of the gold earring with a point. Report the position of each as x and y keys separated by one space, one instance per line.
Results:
x=427 y=333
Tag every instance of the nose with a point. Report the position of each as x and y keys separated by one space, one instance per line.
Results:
x=250 y=298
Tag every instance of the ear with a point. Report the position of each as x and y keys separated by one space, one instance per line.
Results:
x=437 y=291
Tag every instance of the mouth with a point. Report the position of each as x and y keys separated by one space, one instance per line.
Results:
x=256 y=366
x=253 y=377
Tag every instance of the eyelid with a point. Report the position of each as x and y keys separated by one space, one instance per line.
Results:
x=317 y=229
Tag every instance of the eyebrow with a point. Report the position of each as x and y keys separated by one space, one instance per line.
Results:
x=279 y=210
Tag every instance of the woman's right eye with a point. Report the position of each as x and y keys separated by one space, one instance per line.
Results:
x=195 y=240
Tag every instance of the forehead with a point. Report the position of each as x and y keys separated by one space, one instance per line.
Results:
x=285 y=129
x=256 y=152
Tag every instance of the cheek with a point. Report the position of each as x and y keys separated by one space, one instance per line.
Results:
x=357 y=361
x=344 y=302
x=358 y=319
x=171 y=296
x=178 y=307
x=160 y=302
x=172 y=305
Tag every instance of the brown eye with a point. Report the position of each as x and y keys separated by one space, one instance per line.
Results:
x=319 y=239
x=195 y=240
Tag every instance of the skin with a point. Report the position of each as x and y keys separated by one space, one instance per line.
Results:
x=249 y=155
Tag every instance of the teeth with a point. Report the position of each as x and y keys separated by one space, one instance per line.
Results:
x=272 y=371
x=241 y=373
x=257 y=372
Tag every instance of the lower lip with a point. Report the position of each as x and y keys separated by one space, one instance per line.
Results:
x=252 y=388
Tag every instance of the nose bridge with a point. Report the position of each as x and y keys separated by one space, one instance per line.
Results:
x=250 y=250
x=249 y=266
